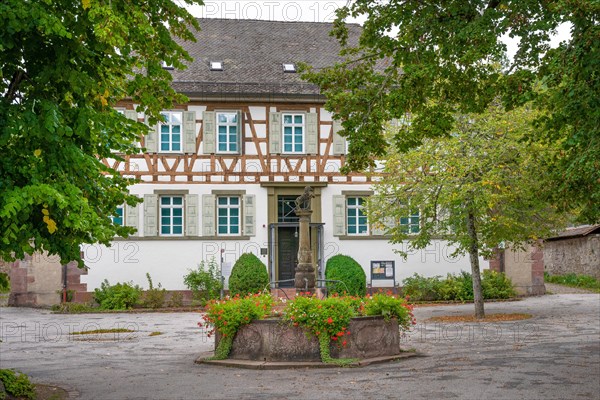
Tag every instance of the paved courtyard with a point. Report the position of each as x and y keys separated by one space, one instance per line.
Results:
x=555 y=355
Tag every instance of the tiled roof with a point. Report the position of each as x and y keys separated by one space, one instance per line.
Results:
x=577 y=232
x=253 y=53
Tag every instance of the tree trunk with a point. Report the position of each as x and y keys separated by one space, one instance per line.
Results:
x=476 y=274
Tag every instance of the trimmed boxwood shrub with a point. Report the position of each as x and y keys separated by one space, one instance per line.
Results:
x=248 y=275
x=345 y=269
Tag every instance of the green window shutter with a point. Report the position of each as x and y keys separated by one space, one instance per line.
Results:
x=131 y=114
x=151 y=138
x=132 y=217
x=191 y=214
x=274 y=133
x=339 y=143
x=249 y=202
x=209 y=129
x=208 y=214
x=150 y=215
x=339 y=215
x=239 y=132
x=189 y=132
x=312 y=134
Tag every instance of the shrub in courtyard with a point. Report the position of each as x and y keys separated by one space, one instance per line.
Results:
x=457 y=287
x=16 y=384
x=346 y=269
x=121 y=296
x=496 y=285
x=204 y=281
x=154 y=297
x=422 y=288
x=248 y=275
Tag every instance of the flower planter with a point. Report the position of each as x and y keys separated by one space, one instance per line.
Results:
x=275 y=340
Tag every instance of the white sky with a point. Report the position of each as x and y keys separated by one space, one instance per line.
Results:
x=304 y=10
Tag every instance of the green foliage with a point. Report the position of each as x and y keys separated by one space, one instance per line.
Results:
x=17 y=384
x=328 y=319
x=154 y=297
x=70 y=294
x=55 y=192
x=121 y=296
x=422 y=288
x=227 y=316
x=204 y=282
x=449 y=58
x=345 y=269
x=496 y=285
x=73 y=308
x=248 y=275
x=176 y=299
x=458 y=287
x=4 y=283
x=574 y=280
x=390 y=307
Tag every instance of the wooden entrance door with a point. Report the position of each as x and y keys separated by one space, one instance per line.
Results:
x=287 y=254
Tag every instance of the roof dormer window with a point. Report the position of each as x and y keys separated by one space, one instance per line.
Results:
x=216 y=65
x=289 y=67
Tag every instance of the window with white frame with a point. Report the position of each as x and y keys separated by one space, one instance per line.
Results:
x=227 y=132
x=293 y=133
x=356 y=219
x=228 y=215
x=411 y=223
x=171 y=215
x=170 y=131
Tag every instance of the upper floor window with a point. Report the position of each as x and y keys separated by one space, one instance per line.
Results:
x=170 y=131
x=356 y=219
x=293 y=133
x=227 y=132
x=171 y=215
x=228 y=215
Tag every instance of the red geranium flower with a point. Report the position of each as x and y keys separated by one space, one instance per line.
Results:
x=329 y=320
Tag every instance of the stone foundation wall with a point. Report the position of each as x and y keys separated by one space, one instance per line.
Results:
x=577 y=255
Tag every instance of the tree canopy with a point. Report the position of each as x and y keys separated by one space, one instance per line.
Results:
x=478 y=188
x=63 y=66
x=433 y=59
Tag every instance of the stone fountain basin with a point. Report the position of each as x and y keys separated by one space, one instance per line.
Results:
x=272 y=340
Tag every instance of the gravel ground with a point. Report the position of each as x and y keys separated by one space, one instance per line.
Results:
x=554 y=355
x=555 y=288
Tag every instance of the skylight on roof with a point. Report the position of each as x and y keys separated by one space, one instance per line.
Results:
x=216 y=66
x=165 y=65
x=289 y=67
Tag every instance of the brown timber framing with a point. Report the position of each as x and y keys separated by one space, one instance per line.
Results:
x=178 y=168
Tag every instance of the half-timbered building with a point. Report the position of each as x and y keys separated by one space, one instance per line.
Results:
x=219 y=176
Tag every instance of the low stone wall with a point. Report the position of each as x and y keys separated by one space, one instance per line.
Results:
x=272 y=340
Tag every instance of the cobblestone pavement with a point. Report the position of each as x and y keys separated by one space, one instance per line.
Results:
x=554 y=355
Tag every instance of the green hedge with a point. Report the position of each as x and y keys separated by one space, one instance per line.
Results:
x=457 y=287
x=345 y=269
x=249 y=275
